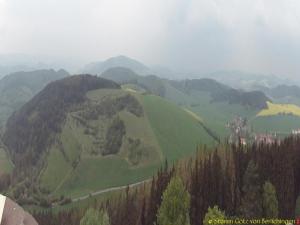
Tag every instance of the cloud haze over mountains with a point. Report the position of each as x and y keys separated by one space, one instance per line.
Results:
x=186 y=35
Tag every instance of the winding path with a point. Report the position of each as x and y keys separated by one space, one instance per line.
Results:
x=109 y=190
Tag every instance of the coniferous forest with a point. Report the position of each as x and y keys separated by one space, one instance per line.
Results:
x=258 y=181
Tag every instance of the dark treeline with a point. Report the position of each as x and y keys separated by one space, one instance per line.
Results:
x=231 y=177
x=222 y=93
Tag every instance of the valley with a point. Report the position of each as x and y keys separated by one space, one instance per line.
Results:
x=83 y=136
x=119 y=112
x=101 y=139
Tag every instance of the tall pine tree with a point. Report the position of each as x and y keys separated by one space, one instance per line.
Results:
x=94 y=217
x=174 y=209
x=251 y=206
x=213 y=214
x=270 y=202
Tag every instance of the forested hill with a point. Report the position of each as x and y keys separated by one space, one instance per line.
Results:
x=30 y=129
x=281 y=91
x=121 y=75
x=31 y=80
x=222 y=93
x=158 y=86
x=118 y=61
x=18 y=88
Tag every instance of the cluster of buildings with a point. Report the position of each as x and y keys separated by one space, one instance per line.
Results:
x=242 y=134
x=239 y=130
x=296 y=132
x=266 y=138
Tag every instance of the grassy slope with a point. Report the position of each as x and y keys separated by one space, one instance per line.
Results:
x=214 y=115
x=287 y=100
x=83 y=204
x=279 y=118
x=5 y=164
x=166 y=131
x=277 y=109
x=133 y=88
x=97 y=172
x=280 y=124
x=57 y=166
x=140 y=128
x=177 y=131
x=194 y=115
x=94 y=173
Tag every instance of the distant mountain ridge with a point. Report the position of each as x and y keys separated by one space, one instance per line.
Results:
x=30 y=79
x=123 y=75
x=218 y=91
x=18 y=88
x=5 y=70
x=120 y=75
x=282 y=91
x=247 y=81
x=118 y=61
x=222 y=93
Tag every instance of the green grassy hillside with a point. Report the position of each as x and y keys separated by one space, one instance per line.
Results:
x=85 y=169
x=5 y=164
x=277 y=118
x=177 y=131
x=216 y=114
x=281 y=124
x=125 y=76
x=280 y=109
x=216 y=104
x=163 y=131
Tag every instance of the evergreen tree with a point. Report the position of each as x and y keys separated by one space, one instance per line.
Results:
x=158 y=186
x=196 y=214
x=217 y=179
x=270 y=202
x=174 y=209
x=143 y=218
x=212 y=215
x=251 y=206
x=297 y=210
x=94 y=217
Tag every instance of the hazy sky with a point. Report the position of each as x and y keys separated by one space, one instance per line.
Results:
x=189 y=35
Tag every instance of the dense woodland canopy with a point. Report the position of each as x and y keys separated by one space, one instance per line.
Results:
x=258 y=181
x=222 y=93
